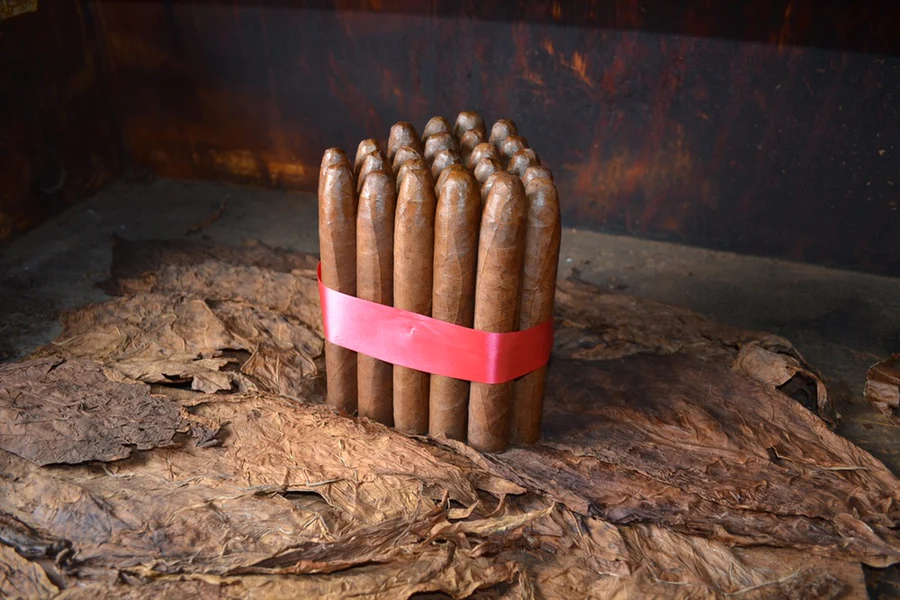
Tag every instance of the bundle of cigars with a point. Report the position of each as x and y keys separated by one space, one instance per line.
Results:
x=461 y=225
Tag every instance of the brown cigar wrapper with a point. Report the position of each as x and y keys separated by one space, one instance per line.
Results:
x=413 y=275
x=436 y=125
x=511 y=145
x=404 y=155
x=403 y=134
x=522 y=160
x=375 y=282
x=365 y=148
x=500 y=256
x=501 y=130
x=536 y=172
x=374 y=161
x=337 y=247
x=456 y=232
x=485 y=168
x=436 y=143
x=480 y=152
x=442 y=160
x=542 y=239
x=466 y=121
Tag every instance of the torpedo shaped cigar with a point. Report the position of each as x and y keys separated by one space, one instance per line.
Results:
x=365 y=148
x=485 y=168
x=536 y=172
x=403 y=155
x=403 y=134
x=500 y=256
x=442 y=160
x=337 y=247
x=435 y=125
x=466 y=121
x=436 y=143
x=374 y=161
x=413 y=276
x=483 y=150
x=488 y=184
x=542 y=238
x=375 y=282
x=501 y=130
x=521 y=160
x=456 y=229
x=511 y=145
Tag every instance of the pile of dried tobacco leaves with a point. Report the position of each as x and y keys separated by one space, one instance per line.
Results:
x=173 y=443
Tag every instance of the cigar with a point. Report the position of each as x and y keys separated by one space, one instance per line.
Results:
x=375 y=282
x=442 y=179
x=337 y=247
x=374 y=161
x=536 y=172
x=412 y=164
x=436 y=143
x=501 y=130
x=485 y=168
x=413 y=269
x=435 y=125
x=511 y=145
x=442 y=160
x=468 y=141
x=521 y=160
x=542 y=235
x=453 y=300
x=365 y=148
x=483 y=150
x=466 y=121
x=403 y=134
x=500 y=256
x=403 y=155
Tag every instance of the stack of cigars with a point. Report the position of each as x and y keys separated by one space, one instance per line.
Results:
x=460 y=225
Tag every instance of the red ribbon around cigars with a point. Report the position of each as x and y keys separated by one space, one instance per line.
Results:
x=412 y=340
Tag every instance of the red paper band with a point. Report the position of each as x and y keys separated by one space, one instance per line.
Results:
x=411 y=340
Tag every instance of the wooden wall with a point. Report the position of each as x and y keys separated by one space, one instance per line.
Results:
x=761 y=126
x=58 y=140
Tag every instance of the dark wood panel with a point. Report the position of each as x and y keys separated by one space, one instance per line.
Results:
x=57 y=139
x=763 y=148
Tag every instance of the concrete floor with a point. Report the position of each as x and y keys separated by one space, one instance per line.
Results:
x=842 y=322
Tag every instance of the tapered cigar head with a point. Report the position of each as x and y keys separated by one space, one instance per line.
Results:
x=469 y=140
x=511 y=145
x=442 y=160
x=403 y=134
x=374 y=161
x=501 y=130
x=337 y=228
x=536 y=172
x=332 y=156
x=365 y=148
x=485 y=168
x=442 y=179
x=404 y=154
x=484 y=150
x=435 y=125
x=521 y=160
x=436 y=143
x=465 y=121
x=410 y=165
